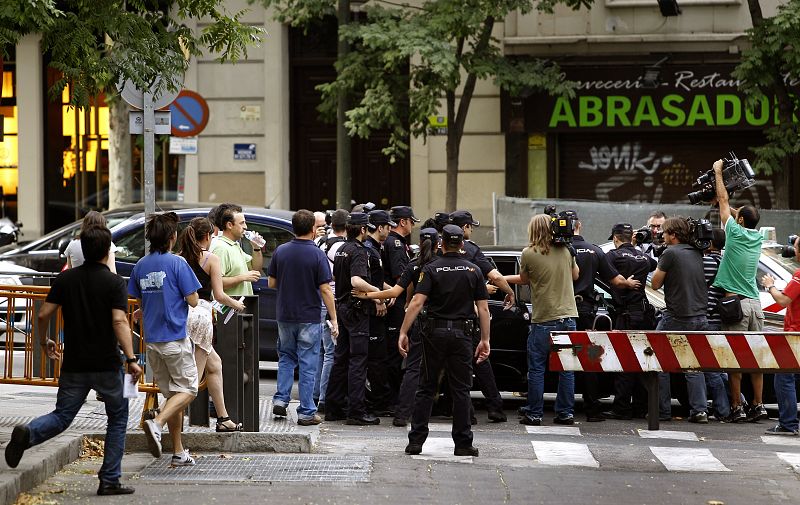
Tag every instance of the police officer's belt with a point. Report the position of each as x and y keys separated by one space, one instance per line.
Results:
x=451 y=324
x=640 y=306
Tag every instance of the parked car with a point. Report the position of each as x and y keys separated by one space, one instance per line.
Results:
x=14 y=318
x=45 y=254
x=274 y=225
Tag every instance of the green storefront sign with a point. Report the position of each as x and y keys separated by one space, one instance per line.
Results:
x=612 y=96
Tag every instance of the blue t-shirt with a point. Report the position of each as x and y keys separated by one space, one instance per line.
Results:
x=300 y=268
x=162 y=281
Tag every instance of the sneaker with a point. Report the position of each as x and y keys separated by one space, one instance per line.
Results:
x=531 y=421
x=152 y=433
x=700 y=417
x=780 y=430
x=279 y=410
x=737 y=414
x=182 y=459
x=20 y=439
x=564 y=420
x=756 y=412
x=311 y=421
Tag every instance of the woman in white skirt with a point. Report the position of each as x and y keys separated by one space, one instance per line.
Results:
x=193 y=247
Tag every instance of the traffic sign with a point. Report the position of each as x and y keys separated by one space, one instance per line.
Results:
x=189 y=114
x=135 y=96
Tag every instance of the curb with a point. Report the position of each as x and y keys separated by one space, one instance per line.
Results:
x=37 y=465
x=245 y=442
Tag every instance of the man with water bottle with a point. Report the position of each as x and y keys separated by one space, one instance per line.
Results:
x=239 y=269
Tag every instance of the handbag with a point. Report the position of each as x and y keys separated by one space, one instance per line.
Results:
x=730 y=309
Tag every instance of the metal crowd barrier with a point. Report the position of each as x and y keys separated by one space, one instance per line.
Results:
x=19 y=306
x=650 y=352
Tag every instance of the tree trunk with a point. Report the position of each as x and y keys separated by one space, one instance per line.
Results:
x=785 y=116
x=453 y=149
x=120 y=188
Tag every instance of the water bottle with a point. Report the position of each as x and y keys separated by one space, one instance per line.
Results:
x=256 y=239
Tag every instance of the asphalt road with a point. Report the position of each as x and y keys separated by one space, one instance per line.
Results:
x=612 y=462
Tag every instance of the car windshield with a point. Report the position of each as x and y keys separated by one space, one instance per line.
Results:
x=788 y=264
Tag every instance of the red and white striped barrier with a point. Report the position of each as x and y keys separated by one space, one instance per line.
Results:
x=667 y=351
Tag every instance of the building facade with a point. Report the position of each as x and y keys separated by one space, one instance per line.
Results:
x=625 y=136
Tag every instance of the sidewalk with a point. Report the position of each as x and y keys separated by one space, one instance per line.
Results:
x=21 y=404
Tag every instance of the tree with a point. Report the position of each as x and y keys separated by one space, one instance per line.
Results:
x=766 y=68
x=95 y=44
x=410 y=62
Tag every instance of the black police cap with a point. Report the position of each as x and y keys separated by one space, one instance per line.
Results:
x=403 y=212
x=620 y=228
x=452 y=235
x=379 y=217
x=358 y=218
x=429 y=234
x=463 y=217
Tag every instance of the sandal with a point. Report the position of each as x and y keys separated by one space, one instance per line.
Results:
x=225 y=428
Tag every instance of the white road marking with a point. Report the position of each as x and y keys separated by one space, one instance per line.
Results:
x=679 y=459
x=437 y=427
x=792 y=458
x=564 y=454
x=571 y=431
x=441 y=449
x=669 y=435
x=779 y=440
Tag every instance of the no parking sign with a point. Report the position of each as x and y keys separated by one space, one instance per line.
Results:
x=189 y=114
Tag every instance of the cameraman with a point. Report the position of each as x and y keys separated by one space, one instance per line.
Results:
x=680 y=271
x=737 y=276
x=632 y=310
x=654 y=224
x=550 y=270
x=592 y=263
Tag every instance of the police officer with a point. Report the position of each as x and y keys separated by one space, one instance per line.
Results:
x=452 y=287
x=483 y=370
x=593 y=264
x=396 y=256
x=632 y=311
x=348 y=379
x=378 y=396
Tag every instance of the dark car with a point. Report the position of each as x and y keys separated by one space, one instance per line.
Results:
x=45 y=254
x=274 y=225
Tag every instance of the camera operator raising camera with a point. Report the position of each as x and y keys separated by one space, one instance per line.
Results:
x=740 y=309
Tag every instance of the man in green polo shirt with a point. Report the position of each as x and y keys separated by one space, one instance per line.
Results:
x=239 y=269
x=737 y=277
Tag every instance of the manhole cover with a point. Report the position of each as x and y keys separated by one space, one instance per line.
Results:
x=264 y=468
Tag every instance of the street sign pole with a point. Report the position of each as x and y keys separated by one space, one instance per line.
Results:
x=149 y=159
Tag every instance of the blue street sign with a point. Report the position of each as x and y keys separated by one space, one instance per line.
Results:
x=189 y=114
x=244 y=151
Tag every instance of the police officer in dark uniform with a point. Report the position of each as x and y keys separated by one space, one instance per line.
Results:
x=593 y=264
x=483 y=370
x=632 y=311
x=348 y=379
x=378 y=396
x=396 y=256
x=452 y=287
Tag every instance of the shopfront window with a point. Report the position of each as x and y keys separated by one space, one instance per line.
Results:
x=9 y=151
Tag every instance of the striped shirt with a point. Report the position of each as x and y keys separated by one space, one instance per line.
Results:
x=711 y=261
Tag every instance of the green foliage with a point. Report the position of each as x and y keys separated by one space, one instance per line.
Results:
x=97 y=43
x=772 y=62
x=406 y=60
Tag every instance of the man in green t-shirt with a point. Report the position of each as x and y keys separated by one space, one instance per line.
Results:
x=239 y=269
x=737 y=277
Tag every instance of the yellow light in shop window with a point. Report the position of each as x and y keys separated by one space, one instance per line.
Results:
x=8 y=84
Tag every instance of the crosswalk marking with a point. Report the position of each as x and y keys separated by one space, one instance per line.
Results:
x=670 y=435
x=571 y=431
x=564 y=454
x=773 y=440
x=791 y=458
x=441 y=449
x=437 y=427
x=679 y=459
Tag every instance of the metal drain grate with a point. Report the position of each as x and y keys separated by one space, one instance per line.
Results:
x=264 y=468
